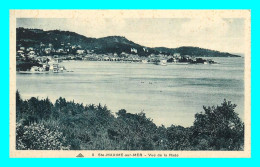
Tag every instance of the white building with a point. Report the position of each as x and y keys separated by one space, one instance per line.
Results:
x=32 y=54
x=133 y=50
x=176 y=55
x=80 y=51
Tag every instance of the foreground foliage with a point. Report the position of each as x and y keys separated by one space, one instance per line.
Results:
x=42 y=125
x=37 y=137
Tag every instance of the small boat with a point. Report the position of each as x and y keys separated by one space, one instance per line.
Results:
x=55 y=70
x=161 y=62
x=144 y=61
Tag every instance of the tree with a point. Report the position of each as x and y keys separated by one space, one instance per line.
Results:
x=178 y=138
x=38 y=137
x=219 y=127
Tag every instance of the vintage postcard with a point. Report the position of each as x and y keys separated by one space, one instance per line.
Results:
x=130 y=83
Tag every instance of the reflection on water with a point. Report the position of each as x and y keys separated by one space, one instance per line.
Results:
x=169 y=94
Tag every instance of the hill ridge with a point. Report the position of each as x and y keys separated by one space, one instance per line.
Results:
x=109 y=44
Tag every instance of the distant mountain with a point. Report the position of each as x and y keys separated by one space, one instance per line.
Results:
x=34 y=37
x=118 y=44
x=195 y=51
x=111 y=44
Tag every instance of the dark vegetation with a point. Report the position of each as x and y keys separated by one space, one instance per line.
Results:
x=195 y=51
x=111 y=44
x=43 y=125
x=24 y=65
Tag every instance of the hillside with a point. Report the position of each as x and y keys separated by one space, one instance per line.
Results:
x=111 y=44
x=195 y=51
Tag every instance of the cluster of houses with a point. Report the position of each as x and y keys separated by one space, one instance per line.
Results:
x=49 y=50
x=45 y=68
x=64 y=53
x=45 y=64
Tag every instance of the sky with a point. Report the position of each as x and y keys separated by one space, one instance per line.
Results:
x=222 y=34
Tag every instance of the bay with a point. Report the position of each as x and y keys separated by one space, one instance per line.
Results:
x=170 y=94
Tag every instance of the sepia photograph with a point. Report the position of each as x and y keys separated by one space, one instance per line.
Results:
x=130 y=83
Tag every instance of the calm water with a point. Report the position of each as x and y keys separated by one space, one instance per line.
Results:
x=169 y=94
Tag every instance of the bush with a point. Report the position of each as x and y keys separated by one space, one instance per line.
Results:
x=178 y=138
x=94 y=127
x=219 y=127
x=38 y=137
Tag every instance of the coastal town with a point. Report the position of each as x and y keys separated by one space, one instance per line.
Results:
x=46 y=58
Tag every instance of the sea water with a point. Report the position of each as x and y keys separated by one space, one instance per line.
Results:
x=170 y=94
